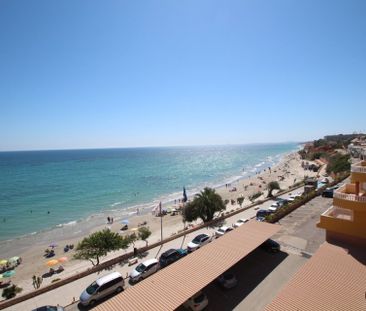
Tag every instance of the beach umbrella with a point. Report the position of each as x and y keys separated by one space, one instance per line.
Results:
x=53 y=244
x=124 y=221
x=14 y=259
x=3 y=262
x=8 y=274
x=184 y=195
x=62 y=259
x=52 y=262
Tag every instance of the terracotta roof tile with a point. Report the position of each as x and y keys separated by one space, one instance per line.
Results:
x=173 y=285
x=331 y=280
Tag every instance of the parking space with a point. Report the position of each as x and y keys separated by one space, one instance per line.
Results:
x=261 y=275
x=299 y=232
x=249 y=272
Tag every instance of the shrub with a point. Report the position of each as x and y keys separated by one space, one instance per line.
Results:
x=339 y=163
x=11 y=291
x=255 y=196
x=240 y=200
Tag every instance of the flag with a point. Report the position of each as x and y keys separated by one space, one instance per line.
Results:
x=184 y=195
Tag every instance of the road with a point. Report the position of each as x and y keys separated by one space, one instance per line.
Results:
x=261 y=275
x=298 y=235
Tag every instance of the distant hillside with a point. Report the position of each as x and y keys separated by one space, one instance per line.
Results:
x=332 y=149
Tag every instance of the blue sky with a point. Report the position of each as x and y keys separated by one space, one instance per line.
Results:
x=86 y=74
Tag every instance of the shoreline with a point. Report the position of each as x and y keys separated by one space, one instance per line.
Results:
x=32 y=249
x=82 y=227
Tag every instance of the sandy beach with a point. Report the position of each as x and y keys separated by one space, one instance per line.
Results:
x=31 y=248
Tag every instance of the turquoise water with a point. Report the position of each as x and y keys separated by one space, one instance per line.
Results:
x=40 y=190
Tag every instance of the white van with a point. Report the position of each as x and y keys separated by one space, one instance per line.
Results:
x=102 y=287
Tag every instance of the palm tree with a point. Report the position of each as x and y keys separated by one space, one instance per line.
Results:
x=204 y=205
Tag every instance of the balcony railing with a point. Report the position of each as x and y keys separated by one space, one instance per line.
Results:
x=359 y=167
x=348 y=196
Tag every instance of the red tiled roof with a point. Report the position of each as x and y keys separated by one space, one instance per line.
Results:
x=331 y=280
x=173 y=285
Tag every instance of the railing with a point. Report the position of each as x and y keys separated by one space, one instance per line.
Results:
x=349 y=197
x=359 y=167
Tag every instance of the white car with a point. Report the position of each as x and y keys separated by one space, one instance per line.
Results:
x=102 y=287
x=144 y=269
x=198 y=241
x=274 y=207
x=197 y=302
x=222 y=230
x=293 y=196
x=240 y=222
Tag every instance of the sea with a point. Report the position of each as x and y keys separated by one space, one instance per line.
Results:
x=41 y=191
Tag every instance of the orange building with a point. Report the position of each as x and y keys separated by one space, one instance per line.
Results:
x=334 y=278
x=345 y=221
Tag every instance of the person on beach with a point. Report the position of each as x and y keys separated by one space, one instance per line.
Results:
x=109 y=220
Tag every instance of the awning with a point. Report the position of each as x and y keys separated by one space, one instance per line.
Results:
x=173 y=285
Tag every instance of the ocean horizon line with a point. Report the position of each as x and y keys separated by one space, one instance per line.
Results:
x=153 y=146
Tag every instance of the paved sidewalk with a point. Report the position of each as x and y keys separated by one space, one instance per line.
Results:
x=66 y=294
x=70 y=293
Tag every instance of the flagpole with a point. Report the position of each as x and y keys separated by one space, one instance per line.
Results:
x=161 y=223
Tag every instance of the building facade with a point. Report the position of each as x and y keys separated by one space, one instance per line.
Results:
x=345 y=221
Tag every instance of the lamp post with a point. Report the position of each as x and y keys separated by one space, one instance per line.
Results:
x=161 y=222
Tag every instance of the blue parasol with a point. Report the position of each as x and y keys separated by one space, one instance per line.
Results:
x=124 y=221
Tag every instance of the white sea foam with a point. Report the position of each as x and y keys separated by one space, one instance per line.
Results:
x=119 y=208
x=71 y=223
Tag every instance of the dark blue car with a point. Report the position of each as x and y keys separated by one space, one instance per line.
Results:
x=171 y=256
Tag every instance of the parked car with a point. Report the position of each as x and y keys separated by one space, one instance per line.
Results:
x=274 y=207
x=240 y=222
x=271 y=246
x=262 y=213
x=328 y=193
x=281 y=201
x=222 y=230
x=171 y=256
x=197 y=302
x=49 y=308
x=227 y=280
x=105 y=285
x=294 y=196
x=198 y=241
x=144 y=269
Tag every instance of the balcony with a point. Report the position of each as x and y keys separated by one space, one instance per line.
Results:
x=339 y=213
x=359 y=167
x=347 y=192
x=341 y=221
